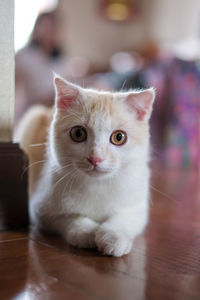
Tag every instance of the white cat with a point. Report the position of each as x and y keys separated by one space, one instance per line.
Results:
x=94 y=187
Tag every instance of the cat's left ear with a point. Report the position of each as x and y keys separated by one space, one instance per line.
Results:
x=141 y=103
x=66 y=93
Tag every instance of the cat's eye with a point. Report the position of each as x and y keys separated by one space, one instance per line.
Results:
x=118 y=137
x=78 y=134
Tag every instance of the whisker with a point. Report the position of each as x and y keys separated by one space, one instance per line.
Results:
x=66 y=117
x=125 y=81
x=162 y=193
x=33 y=164
x=38 y=145
x=59 y=180
x=69 y=184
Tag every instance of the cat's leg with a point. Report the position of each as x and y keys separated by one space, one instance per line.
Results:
x=115 y=236
x=80 y=232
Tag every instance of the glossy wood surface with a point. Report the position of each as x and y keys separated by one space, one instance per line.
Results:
x=164 y=263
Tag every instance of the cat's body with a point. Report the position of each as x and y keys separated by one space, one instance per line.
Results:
x=94 y=186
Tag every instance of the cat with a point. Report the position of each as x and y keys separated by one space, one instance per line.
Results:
x=94 y=187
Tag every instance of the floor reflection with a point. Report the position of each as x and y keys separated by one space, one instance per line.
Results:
x=173 y=239
x=52 y=272
x=13 y=268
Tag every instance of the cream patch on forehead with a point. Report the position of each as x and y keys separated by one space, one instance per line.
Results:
x=101 y=108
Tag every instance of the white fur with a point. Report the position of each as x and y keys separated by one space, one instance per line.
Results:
x=107 y=209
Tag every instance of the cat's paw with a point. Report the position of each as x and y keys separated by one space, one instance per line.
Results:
x=112 y=243
x=81 y=239
x=81 y=234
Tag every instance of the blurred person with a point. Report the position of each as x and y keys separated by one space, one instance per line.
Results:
x=35 y=63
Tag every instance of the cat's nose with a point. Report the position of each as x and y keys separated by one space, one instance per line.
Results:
x=94 y=160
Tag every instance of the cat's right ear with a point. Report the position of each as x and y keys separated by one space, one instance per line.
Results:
x=66 y=93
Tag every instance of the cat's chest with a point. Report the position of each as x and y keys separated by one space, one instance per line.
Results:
x=97 y=202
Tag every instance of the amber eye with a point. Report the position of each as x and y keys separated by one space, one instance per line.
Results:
x=78 y=134
x=118 y=137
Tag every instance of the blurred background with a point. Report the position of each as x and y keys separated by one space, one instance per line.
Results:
x=114 y=45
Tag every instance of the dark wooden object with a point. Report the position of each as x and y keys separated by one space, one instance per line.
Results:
x=13 y=187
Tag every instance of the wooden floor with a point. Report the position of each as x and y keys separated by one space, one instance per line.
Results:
x=164 y=263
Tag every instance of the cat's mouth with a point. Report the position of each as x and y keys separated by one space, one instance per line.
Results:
x=92 y=171
x=96 y=172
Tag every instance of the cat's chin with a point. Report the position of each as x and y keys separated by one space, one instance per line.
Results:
x=97 y=173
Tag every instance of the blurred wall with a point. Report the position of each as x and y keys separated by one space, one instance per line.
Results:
x=86 y=33
x=6 y=70
x=173 y=20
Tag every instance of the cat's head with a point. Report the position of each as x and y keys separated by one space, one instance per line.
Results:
x=97 y=133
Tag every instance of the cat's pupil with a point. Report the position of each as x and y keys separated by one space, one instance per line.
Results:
x=119 y=137
x=78 y=133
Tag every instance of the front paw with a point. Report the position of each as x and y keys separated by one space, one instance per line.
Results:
x=112 y=243
x=81 y=233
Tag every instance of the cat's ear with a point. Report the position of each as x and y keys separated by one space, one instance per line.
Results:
x=66 y=93
x=141 y=102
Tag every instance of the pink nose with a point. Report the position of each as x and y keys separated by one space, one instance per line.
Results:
x=95 y=160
